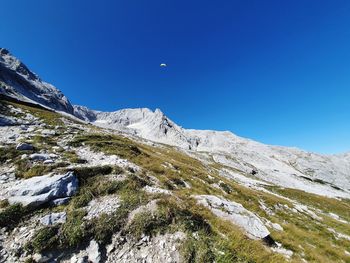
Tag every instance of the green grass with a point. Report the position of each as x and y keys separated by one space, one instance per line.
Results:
x=4 y=203
x=339 y=207
x=72 y=157
x=215 y=239
x=44 y=239
x=84 y=173
x=25 y=169
x=9 y=153
x=73 y=232
x=12 y=215
x=199 y=249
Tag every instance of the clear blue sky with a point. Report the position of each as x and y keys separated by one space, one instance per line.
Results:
x=274 y=71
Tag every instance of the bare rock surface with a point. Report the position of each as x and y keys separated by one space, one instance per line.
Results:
x=99 y=158
x=42 y=189
x=42 y=156
x=235 y=213
x=54 y=218
x=156 y=190
x=159 y=249
x=103 y=205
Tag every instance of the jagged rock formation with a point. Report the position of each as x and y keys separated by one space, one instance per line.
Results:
x=17 y=81
x=42 y=189
x=236 y=213
x=289 y=167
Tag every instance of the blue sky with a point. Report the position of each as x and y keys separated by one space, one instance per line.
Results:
x=274 y=71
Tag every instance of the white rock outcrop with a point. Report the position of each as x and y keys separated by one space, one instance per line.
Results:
x=43 y=189
x=42 y=156
x=53 y=219
x=159 y=249
x=102 y=205
x=91 y=254
x=235 y=213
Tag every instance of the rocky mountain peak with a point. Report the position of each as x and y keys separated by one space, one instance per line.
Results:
x=15 y=64
x=18 y=82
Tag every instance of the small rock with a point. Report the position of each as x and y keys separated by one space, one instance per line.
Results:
x=93 y=252
x=53 y=219
x=24 y=147
x=48 y=132
x=40 y=258
x=24 y=127
x=48 y=161
x=42 y=156
x=31 y=129
x=60 y=201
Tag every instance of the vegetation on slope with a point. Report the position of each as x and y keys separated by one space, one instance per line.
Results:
x=209 y=238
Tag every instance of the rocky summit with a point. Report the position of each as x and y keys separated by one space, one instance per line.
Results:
x=80 y=185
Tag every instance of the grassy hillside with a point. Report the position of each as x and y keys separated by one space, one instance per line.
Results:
x=310 y=232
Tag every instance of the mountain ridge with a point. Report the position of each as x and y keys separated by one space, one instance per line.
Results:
x=276 y=164
x=131 y=185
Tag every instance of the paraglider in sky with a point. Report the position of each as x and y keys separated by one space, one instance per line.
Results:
x=163 y=65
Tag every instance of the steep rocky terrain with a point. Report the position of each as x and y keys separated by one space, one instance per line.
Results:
x=288 y=167
x=17 y=81
x=78 y=185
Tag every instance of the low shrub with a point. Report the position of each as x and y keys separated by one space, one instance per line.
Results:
x=225 y=187
x=44 y=239
x=103 y=227
x=4 y=203
x=12 y=215
x=199 y=249
x=9 y=153
x=24 y=168
x=73 y=232
x=83 y=173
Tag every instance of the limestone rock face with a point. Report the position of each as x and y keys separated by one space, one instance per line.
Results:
x=159 y=249
x=42 y=156
x=17 y=81
x=53 y=219
x=235 y=213
x=43 y=189
x=91 y=254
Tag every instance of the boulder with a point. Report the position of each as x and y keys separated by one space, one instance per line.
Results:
x=48 y=132
x=24 y=147
x=60 y=201
x=43 y=189
x=93 y=252
x=237 y=214
x=53 y=219
x=40 y=258
x=42 y=156
x=48 y=161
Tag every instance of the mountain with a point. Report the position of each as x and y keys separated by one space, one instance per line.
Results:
x=283 y=166
x=18 y=82
x=80 y=185
x=288 y=167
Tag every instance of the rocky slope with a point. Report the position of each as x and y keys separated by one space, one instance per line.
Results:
x=17 y=81
x=283 y=166
x=289 y=167
x=137 y=187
